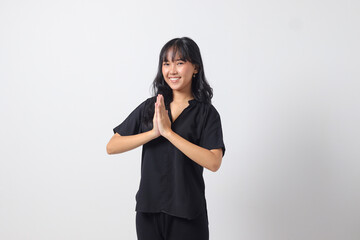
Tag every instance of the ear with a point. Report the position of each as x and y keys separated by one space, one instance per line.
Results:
x=196 y=69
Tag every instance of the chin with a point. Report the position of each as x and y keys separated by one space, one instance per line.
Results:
x=175 y=88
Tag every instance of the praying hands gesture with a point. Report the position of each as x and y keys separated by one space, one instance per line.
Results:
x=161 y=120
x=210 y=159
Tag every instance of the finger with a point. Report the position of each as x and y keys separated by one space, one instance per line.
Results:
x=162 y=104
x=159 y=99
x=160 y=112
x=157 y=109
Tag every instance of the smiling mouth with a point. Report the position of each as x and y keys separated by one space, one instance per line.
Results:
x=174 y=80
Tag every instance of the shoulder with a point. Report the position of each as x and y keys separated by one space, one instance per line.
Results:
x=149 y=102
x=207 y=109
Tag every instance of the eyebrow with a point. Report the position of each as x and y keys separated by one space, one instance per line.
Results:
x=179 y=59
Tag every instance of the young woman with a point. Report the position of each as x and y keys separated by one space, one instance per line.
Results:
x=181 y=133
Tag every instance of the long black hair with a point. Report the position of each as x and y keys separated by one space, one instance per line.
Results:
x=188 y=50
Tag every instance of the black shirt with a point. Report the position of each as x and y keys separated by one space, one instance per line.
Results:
x=170 y=181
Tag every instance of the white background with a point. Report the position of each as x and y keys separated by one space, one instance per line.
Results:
x=286 y=83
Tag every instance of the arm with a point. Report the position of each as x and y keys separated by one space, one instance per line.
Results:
x=120 y=144
x=210 y=159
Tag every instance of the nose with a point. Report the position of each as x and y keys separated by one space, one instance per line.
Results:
x=173 y=69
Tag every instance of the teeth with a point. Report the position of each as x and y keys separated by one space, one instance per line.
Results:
x=174 y=78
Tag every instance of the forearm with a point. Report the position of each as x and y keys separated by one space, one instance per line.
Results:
x=120 y=144
x=200 y=155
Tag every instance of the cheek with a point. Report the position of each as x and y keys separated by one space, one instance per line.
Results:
x=187 y=71
x=163 y=71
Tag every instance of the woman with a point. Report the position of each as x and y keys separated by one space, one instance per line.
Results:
x=181 y=134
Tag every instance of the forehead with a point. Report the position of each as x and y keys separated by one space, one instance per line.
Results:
x=173 y=54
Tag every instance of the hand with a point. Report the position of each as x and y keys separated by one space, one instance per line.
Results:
x=162 y=116
x=155 y=124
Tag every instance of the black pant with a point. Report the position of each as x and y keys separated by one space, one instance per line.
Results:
x=162 y=226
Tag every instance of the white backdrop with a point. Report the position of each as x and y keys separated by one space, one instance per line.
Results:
x=286 y=83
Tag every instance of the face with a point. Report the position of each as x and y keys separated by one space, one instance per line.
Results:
x=178 y=73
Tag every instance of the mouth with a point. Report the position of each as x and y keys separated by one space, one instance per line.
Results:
x=174 y=79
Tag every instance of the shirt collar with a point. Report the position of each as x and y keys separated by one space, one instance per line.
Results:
x=192 y=101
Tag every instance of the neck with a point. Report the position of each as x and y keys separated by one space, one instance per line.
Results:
x=182 y=97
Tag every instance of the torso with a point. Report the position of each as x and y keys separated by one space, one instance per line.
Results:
x=177 y=109
x=170 y=181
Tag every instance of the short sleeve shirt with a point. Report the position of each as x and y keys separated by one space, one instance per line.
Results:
x=170 y=181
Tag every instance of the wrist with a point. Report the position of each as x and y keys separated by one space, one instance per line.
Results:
x=167 y=134
x=153 y=134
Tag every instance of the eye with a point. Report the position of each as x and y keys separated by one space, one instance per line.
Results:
x=165 y=64
x=180 y=63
